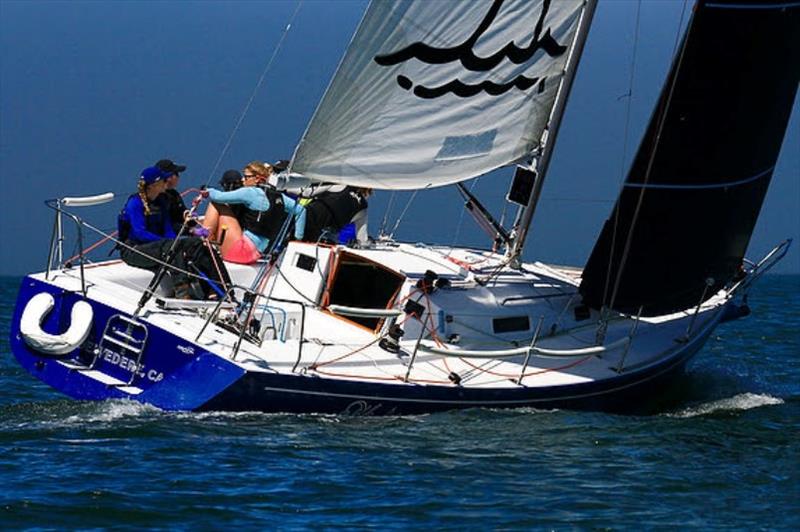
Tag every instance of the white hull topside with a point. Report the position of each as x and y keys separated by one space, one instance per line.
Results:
x=475 y=331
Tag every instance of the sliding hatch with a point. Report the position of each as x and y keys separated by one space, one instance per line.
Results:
x=359 y=282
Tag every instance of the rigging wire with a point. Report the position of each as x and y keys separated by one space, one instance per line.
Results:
x=662 y=114
x=503 y=214
x=260 y=81
x=461 y=216
x=403 y=214
x=624 y=157
x=386 y=213
x=195 y=204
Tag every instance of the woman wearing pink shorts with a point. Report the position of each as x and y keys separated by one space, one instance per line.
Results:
x=250 y=213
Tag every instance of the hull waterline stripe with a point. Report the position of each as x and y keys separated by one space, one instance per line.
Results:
x=702 y=186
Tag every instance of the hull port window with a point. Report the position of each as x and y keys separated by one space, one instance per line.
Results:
x=359 y=282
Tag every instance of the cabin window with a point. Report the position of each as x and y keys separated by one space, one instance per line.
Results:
x=359 y=282
x=512 y=324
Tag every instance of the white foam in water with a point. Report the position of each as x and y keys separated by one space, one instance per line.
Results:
x=214 y=415
x=89 y=413
x=743 y=401
x=111 y=411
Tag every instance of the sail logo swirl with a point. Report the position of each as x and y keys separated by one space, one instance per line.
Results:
x=465 y=54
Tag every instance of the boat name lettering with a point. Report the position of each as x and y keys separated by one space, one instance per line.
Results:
x=363 y=408
x=186 y=349
x=129 y=364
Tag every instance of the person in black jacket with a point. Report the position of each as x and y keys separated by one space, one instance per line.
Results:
x=332 y=211
x=176 y=208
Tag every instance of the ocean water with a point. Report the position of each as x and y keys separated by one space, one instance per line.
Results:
x=724 y=454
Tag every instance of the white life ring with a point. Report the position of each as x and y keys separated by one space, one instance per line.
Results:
x=55 y=344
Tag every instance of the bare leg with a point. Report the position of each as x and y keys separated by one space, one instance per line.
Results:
x=220 y=219
x=211 y=219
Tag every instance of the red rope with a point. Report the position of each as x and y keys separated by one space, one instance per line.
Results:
x=337 y=359
x=93 y=246
x=216 y=264
x=539 y=372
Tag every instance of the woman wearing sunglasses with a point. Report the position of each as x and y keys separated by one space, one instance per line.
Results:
x=247 y=218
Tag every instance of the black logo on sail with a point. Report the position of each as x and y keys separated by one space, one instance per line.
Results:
x=466 y=56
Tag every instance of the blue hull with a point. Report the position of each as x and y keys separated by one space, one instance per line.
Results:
x=174 y=374
x=177 y=375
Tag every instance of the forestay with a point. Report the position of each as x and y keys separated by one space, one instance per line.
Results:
x=432 y=93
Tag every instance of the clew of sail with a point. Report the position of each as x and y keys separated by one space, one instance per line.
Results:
x=435 y=92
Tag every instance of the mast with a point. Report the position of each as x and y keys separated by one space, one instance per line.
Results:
x=541 y=161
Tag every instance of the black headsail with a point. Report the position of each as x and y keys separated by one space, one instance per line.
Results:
x=693 y=194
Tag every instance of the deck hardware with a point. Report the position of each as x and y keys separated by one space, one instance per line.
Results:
x=391 y=342
x=122 y=337
x=414 y=353
x=211 y=317
x=709 y=284
x=530 y=349
x=627 y=347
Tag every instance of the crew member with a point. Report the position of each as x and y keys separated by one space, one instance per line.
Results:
x=332 y=211
x=176 y=208
x=251 y=215
x=146 y=230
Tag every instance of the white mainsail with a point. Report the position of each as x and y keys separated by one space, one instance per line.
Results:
x=432 y=92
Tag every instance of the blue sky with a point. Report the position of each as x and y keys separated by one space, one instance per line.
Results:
x=92 y=92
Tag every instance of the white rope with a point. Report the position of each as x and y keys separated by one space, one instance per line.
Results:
x=502 y=353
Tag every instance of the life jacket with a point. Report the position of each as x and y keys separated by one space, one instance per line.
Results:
x=265 y=223
x=123 y=228
x=175 y=208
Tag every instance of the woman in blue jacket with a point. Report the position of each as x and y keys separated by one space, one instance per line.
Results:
x=250 y=212
x=146 y=230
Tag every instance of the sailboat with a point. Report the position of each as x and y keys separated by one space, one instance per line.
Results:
x=431 y=94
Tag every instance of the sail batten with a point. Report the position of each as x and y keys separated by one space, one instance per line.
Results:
x=433 y=93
